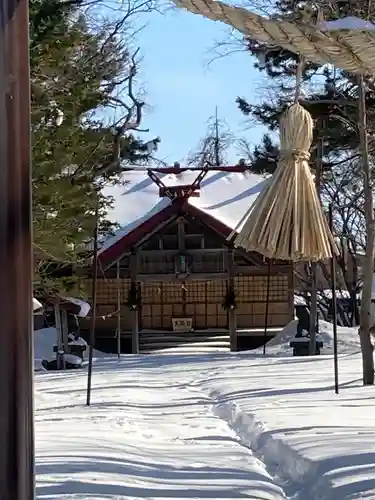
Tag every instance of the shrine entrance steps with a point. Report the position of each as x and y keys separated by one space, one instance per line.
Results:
x=150 y=341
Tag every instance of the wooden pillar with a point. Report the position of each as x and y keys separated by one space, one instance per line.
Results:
x=135 y=312
x=181 y=249
x=181 y=234
x=65 y=330
x=16 y=354
x=59 y=338
x=118 y=294
x=230 y=265
x=291 y=288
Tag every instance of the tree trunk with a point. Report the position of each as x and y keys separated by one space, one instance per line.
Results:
x=368 y=264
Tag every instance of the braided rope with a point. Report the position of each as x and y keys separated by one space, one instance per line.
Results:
x=351 y=50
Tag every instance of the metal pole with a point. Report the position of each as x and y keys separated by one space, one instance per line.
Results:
x=267 y=306
x=334 y=306
x=93 y=300
x=314 y=265
x=118 y=311
x=16 y=353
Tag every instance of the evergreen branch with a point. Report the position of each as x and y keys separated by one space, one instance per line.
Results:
x=58 y=260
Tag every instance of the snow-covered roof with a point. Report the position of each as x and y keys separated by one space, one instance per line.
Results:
x=226 y=196
x=346 y=23
x=84 y=306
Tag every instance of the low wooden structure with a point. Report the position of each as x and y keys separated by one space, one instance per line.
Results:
x=178 y=260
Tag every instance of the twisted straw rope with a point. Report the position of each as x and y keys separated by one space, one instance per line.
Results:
x=351 y=50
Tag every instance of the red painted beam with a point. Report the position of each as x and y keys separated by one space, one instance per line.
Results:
x=125 y=244
x=240 y=169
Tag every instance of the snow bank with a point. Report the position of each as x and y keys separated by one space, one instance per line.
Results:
x=77 y=341
x=347 y=339
x=44 y=340
x=73 y=359
x=285 y=336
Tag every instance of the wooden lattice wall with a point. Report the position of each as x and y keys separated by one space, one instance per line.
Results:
x=200 y=300
x=251 y=293
x=107 y=307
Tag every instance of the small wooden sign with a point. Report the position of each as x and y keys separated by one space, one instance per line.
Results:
x=182 y=324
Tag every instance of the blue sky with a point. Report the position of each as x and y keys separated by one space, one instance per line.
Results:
x=183 y=90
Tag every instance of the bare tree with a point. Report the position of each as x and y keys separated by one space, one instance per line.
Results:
x=213 y=148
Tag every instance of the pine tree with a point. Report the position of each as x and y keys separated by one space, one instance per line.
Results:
x=84 y=114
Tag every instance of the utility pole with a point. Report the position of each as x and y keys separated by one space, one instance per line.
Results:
x=16 y=353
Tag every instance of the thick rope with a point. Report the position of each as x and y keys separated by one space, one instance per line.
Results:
x=351 y=50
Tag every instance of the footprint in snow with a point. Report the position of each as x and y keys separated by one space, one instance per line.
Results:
x=198 y=465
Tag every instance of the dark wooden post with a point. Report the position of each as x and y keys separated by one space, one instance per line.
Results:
x=59 y=338
x=181 y=249
x=291 y=288
x=266 y=319
x=118 y=294
x=135 y=312
x=230 y=265
x=16 y=353
x=334 y=306
x=65 y=330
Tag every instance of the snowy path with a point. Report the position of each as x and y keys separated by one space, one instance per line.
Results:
x=146 y=436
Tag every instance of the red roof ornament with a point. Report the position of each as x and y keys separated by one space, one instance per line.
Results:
x=179 y=191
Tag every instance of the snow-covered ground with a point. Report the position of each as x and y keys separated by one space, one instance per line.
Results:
x=212 y=425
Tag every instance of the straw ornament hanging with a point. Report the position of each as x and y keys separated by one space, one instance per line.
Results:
x=287 y=221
